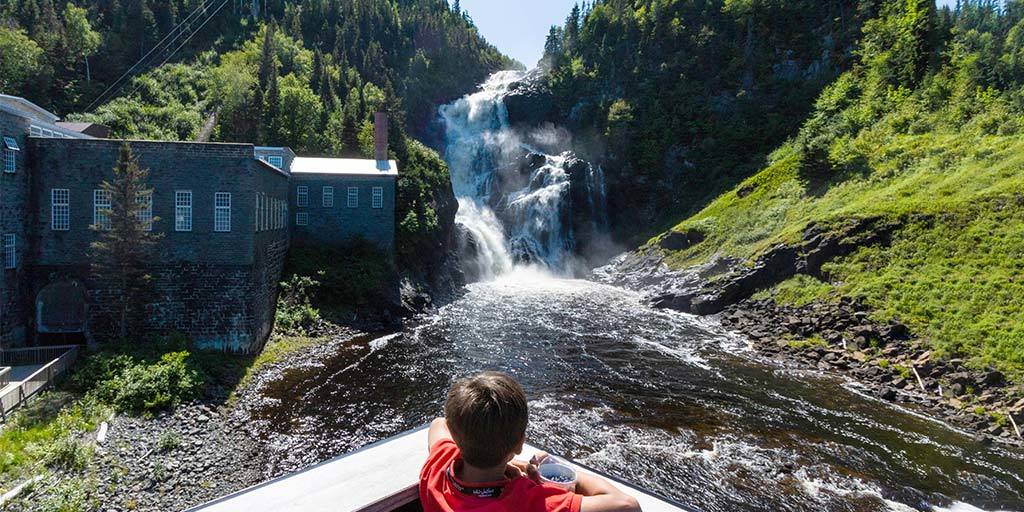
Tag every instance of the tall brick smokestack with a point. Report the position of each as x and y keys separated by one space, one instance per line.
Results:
x=380 y=136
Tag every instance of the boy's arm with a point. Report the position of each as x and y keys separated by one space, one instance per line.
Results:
x=599 y=495
x=438 y=431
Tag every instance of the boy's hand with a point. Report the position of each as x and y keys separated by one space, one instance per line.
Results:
x=535 y=461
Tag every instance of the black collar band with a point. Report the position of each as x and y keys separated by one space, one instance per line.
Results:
x=479 y=492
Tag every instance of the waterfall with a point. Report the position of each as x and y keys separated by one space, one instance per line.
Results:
x=517 y=188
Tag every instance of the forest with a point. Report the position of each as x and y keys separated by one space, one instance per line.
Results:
x=919 y=134
x=308 y=75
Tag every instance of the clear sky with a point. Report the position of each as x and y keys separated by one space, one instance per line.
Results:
x=518 y=27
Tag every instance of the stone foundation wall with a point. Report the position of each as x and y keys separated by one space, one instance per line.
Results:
x=218 y=307
x=14 y=200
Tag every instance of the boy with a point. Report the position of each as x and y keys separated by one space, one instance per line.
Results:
x=471 y=467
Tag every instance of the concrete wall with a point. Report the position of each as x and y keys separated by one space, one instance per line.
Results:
x=14 y=207
x=329 y=225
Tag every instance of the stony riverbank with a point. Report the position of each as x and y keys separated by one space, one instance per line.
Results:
x=178 y=459
x=840 y=339
x=836 y=338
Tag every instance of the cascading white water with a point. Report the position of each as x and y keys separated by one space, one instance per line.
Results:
x=514 y=197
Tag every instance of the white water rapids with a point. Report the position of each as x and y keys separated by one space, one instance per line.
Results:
x=514 y=185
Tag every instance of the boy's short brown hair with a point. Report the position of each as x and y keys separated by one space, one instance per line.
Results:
x=487 y=417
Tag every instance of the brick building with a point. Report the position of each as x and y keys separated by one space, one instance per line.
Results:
x=226 y=213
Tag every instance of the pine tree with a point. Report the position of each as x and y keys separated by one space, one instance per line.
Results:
x=126 y=238
x=572 y=28
x=267 y=97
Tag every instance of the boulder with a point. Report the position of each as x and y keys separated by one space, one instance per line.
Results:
x=990 y=379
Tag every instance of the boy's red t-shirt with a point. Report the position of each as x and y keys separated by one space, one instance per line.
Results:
x=442 y=491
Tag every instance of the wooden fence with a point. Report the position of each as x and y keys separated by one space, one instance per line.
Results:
x=55 y=361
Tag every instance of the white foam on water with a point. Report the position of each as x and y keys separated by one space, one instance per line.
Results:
x=966 y=507
x=383 y=341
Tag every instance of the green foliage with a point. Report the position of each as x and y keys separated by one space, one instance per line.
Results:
x=929 y=148
x=19 y=59
x=120 y=255
x=69 y=495
x=146 y=386
x=295 y=313
x=47 y=431
x=345 y=276
x=807 y=343
x=686 y=97
x=798 y=290
x=168 y=441
x=424 y=190
x=69 y=53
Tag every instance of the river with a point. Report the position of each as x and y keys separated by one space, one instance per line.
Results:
x=661 y=398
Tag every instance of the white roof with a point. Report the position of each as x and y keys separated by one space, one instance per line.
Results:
x=359 y=166
x=27 y=108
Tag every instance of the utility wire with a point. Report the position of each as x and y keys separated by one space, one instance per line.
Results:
x=192 y=35
x=202 y=8
x=189 y=38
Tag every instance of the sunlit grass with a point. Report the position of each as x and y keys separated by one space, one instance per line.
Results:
x=955 y=269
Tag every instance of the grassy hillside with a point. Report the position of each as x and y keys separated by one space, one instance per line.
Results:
x=935 y=151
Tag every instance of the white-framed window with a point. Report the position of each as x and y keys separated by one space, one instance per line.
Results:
x=259 y=211
x=302 y=196
x=328 y=197
x=222 y=212
x=60 y=209
x=10 y=251
x=265 y=223
x=35 y=131
x=378 y=197
x=302 y=219
x=353 y=197
x=276 y=161
x=183 y=210
x=145 y=213
x=101 y=206
x=11 y=150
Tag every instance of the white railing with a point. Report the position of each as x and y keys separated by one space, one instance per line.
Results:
x=5 y=377
x=56 y=359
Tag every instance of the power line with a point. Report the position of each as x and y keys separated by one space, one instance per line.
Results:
x=189 y=38
x=174 y=31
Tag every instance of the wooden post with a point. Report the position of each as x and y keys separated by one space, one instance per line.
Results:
x=919 y=381
x=1014 y=423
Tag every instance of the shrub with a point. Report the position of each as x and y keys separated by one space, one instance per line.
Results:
x=67 y=452
x=295 y=314
x=146 y=387
x=169 y=440
x=71 y=495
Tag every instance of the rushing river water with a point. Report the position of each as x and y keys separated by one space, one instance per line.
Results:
x=660 y=398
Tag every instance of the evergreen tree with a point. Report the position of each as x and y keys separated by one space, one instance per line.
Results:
x=267 y=97
x=572 y=28
x=126 y=238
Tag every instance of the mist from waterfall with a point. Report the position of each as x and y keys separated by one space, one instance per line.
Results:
x=513 y=184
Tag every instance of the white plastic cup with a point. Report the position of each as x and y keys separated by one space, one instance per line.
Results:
x=558 y=474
